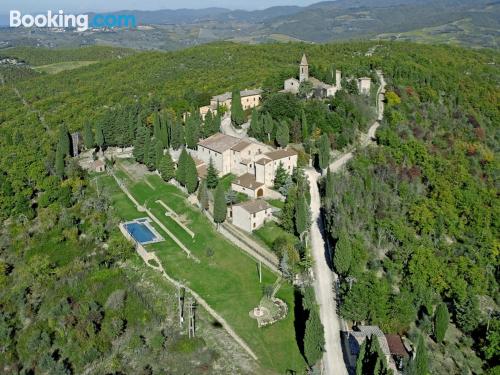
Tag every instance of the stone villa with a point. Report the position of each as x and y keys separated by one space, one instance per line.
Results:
x=254 y=163
x=321 y=89
x=249 y=99
x=250 y=215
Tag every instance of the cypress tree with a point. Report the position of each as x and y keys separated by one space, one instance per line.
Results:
x=441 y=321
x=99 y=135
x=237 y=114
x=192 y=131
x=288 y=212
x=216 y=124
x=220 y=208
x=314 y=340
x=177 y=138
x=139 y=144
x=203 y=195
x=167 y=167
x=302 y=215
x=420 y=365
x=282 y=134
x=64 y=141
x=149 y=153
x=180 y=174
x=329 y=191
x=164 y=136
x=158 y=152
x=268 y=126
x=342 y=257
x=131 y=128
x=255 y=129
x=156 y=126
x=191 y=175
x=88 y=135
x=324 y=151
x=212 y=175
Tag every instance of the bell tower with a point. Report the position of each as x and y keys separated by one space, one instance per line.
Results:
x=304 y=69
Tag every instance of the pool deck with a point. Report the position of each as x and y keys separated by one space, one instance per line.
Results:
x=145 y=221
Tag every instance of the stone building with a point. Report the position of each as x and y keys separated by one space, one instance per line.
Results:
x=254 y=163
x=249 y=99
x=364 y=85
x=251 y=215
x=319 y=89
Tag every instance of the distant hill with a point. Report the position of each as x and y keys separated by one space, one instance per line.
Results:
x=474 y=23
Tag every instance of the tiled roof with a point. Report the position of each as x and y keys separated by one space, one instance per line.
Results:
x=253 y=206
x=396 y=346
x=280 y=154
x=219 y=142
x=252 y=92
x=241 y=146
x=263 y=161
x=222 y=97
x=248 y=181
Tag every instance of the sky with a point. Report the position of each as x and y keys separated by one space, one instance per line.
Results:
x=110 y=5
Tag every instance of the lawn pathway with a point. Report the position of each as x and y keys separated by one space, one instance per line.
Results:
x=148 y=256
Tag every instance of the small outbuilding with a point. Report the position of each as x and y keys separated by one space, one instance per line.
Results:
x=251 y=215
x=98 y=166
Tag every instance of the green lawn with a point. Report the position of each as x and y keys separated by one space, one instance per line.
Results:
x=276 y=203
x=227 y=280
x=62 y=66
x=270 y=231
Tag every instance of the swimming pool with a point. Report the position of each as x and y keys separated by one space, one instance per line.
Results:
x=142 y=231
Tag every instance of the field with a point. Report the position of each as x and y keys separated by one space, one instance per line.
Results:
x=225 y=276
x=269 y=232
x=59 y=67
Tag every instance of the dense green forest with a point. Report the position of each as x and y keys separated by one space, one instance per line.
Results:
x=414 y=219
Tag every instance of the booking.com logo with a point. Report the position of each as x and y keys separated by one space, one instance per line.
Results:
x=80 y=21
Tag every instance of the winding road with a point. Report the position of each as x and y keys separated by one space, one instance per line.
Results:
x=324 y=277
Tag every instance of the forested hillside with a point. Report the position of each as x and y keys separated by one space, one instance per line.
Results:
x=414 y=218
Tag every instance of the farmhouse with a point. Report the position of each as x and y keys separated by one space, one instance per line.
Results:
x=255 y=163
x=249 y=99
x=251 y=215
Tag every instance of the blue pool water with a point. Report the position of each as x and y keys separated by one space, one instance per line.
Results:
x=140 y=232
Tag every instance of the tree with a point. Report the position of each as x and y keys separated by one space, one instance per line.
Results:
x=302 y=215
x=167 y=167
x=329 y=182
x=324 y=151
x=287 y=214
x=180 y=174
x=156 y=126
x=203 y=195
x=283 y=134
x=191 y=175
x=158 y=152
x=220 y=208
x=305 y=89
x=88 y=135
x=268 y=126
x=420 y=365
x=164 y=136
x=192 y=130
x=255 y=129
x=140 y=144
x=280 y=177
x=441 y=321
x=212 y=175
x=149 y=153
x=342 y=257
x=99 y=136
x=237 y=114
x=64 y=141
x=371 y=359
x=314 y=340
x=176 y=135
